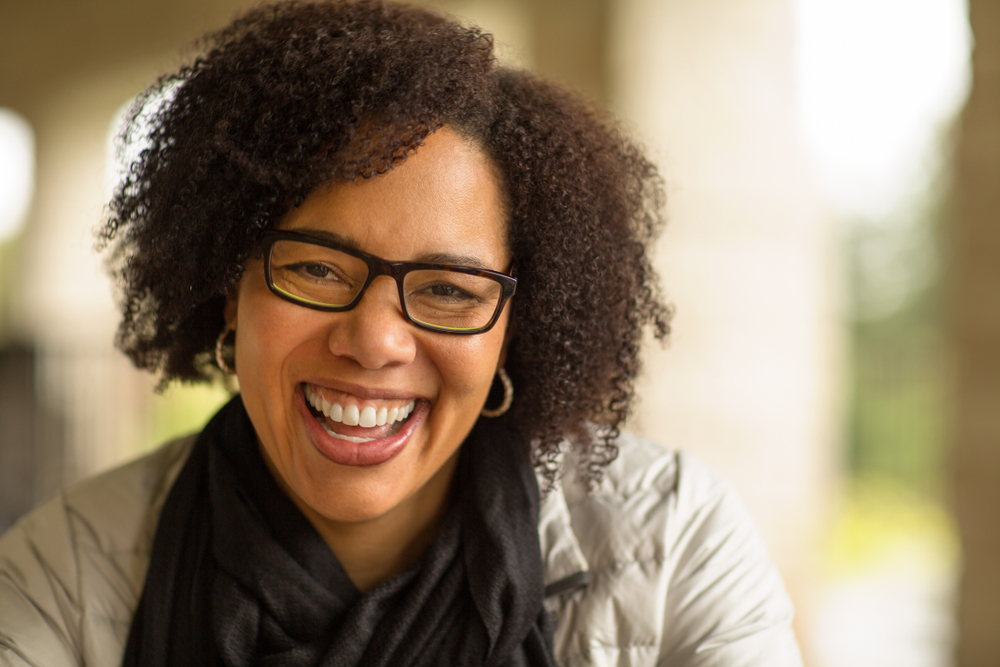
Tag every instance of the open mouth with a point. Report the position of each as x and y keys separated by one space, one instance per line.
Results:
x=356 y=421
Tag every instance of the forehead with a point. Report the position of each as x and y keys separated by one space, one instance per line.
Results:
x=444 y=199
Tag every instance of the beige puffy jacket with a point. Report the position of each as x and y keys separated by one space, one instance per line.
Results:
x=678 y=575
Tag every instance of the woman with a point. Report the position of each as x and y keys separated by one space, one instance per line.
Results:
x=429 y=275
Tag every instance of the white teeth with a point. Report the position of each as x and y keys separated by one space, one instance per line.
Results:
x=368 y=417
x=352 y=416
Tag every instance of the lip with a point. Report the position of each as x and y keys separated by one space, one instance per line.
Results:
x=360 y=454
x=364 y=393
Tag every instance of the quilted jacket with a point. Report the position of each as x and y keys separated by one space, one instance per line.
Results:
x=660 y=565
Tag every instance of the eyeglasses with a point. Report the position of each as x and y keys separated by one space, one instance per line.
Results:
x=324 y=275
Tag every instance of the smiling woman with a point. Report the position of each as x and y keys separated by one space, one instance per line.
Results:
x=442 y=202
x=430 y=275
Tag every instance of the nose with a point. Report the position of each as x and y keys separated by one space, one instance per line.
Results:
x=374 y=333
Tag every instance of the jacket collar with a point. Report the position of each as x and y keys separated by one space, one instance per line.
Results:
x=561 y=554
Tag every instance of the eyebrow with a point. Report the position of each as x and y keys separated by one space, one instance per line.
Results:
x=429 y=258
x=459 y=260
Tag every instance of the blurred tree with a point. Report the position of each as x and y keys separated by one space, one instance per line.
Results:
x=901 y=377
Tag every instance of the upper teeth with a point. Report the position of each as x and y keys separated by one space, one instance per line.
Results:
x=351 y=415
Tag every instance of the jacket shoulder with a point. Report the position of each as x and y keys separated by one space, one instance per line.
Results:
x=630 y=505
x=678 y=573
x=72 y=570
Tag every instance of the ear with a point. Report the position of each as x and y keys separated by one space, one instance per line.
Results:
x=231 y=308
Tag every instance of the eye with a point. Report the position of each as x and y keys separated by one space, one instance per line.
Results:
x=444 y=290
x=452 y=299
x=316 y=270
x=447 y=293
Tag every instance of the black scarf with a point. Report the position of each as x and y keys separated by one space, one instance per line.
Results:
x=239 y=577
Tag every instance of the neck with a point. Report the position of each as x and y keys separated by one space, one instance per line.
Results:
x=376 y=550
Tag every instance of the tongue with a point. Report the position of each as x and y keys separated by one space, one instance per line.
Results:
x=360 y=431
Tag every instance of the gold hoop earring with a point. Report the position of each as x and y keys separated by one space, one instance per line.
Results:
x=508 y=396
x=219 y=358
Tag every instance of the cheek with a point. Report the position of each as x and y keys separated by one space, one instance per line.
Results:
x=467 y=371
x=259 y=350
x=268 y=336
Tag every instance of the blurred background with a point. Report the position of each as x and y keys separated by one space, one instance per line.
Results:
x=833 y=252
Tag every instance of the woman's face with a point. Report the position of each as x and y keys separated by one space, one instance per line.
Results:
x=441 y=205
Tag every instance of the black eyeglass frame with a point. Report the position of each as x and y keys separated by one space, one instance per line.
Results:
x=395 y=270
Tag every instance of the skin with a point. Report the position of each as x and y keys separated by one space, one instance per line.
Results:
x=377 y=519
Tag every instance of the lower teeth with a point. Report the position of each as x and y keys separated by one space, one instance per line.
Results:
x=338 y=436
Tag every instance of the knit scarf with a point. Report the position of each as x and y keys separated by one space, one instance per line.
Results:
x=239 y=577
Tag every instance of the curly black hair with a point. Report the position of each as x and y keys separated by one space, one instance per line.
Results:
x=294 y=95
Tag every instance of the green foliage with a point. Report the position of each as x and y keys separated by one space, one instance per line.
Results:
x=8 y=262
x=900 y=375
x=900 y=395
x=182 y=409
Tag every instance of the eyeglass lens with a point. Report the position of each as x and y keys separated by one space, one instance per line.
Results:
x=321 y=276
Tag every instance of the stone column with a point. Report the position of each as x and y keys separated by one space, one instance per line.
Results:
x=975 y=321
